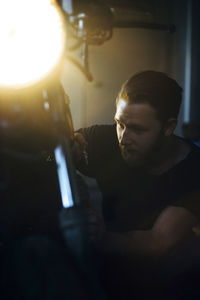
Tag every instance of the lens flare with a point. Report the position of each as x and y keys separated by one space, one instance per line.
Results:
x=32 y=40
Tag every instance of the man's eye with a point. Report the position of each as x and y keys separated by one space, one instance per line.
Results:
x=138 y=130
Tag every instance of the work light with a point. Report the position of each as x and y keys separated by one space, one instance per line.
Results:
x=32 y=39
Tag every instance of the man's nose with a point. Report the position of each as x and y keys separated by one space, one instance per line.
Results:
x=125 y=138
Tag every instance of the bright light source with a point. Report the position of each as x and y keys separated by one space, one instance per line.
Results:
x=31 y=40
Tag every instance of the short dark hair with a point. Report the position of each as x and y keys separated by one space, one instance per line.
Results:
x=156 y=88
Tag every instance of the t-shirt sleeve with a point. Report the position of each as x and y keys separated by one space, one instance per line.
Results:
x=189 y=184
x=191 y=202
x=101 y=140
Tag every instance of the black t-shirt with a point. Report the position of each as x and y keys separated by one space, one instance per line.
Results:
x=133 y=198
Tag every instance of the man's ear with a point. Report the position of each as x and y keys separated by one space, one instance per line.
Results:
x=170 y=126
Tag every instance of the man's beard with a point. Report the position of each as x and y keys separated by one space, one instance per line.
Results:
x=136 y=158
x=132 y=158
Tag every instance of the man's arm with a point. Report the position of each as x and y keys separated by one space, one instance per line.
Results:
x=173 y=226
x=79 y=146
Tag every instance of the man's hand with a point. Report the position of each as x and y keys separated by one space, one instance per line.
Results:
x=79 y=148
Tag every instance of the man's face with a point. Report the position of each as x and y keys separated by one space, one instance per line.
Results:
x=139 y=132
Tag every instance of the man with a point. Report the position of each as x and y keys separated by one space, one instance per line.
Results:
x=147 y=175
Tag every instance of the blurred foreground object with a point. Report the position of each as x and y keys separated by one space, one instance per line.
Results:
x=37 y=174
x=35 y=116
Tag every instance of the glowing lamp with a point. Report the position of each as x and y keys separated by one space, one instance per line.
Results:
x=32 y=41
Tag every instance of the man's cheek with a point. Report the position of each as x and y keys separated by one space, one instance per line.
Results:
x=143 y=144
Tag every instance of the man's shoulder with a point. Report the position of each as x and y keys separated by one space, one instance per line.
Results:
x=100 y=134
x=190 y=152
x=186 y=172
x=102 y=149
x=94 y=130
x=101 y=139
x=186 y=182
x=193 y=158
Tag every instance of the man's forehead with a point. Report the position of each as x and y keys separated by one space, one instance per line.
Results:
x=135 y=113
x=140 y=109
x=122 y=103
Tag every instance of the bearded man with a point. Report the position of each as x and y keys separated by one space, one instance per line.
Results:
x=147 y=175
